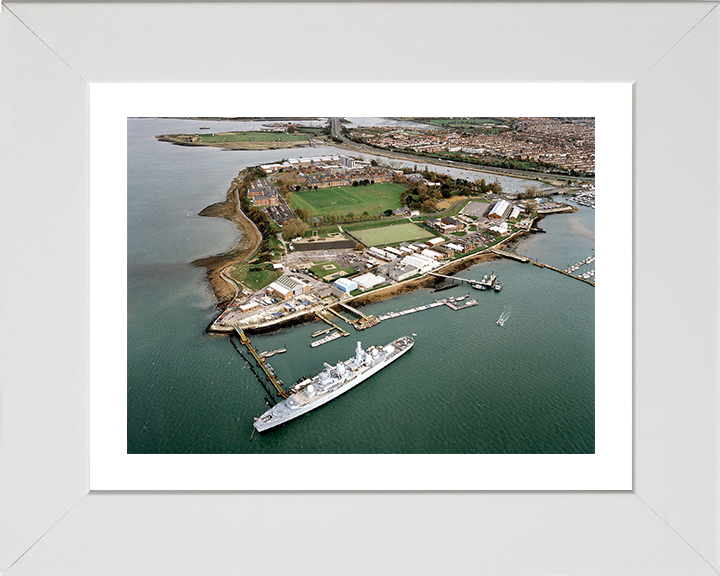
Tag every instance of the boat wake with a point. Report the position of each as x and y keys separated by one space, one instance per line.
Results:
x=503 y=318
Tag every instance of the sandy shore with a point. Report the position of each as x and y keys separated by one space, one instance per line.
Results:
x=249 y=242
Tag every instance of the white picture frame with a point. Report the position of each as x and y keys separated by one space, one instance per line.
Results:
x=49 y=523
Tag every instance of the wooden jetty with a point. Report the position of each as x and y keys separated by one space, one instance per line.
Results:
x=353 y=310
x=511 y=255
x=261 y=362
x=524 y=259
x=323 y=318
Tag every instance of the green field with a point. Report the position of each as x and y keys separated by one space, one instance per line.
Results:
x=329 y=271
x=392 y=234
x=251 y=137
x=254 y=279
x=463 y=122
x=373 y=199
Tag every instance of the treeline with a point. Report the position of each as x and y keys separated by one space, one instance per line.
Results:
x=420 y=196
x=328 y=219
x=533 y=192
x=257 y=215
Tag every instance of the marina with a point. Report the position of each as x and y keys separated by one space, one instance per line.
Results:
x=452 y=303
x=326 y=339
x=320 y=316
x=580 y=263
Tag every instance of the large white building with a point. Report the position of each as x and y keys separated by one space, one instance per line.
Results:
x=343 y=286
x=295 y=285
x=499 y=210
x=347 y=161
x=420 y=262
x=516 y=213
x=369 y=280
x=501 y=228
x=278 y=289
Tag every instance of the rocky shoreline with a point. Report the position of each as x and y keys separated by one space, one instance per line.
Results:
x=246 y=247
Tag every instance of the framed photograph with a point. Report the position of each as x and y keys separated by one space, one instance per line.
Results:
x=66 y=507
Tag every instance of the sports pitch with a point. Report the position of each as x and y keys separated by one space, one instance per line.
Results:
x=251 y=137
x=373 y=199
x=391 y=234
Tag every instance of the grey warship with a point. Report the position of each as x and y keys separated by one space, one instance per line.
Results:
x=311 y=393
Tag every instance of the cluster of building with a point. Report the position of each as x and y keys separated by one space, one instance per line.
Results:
x=287 y=295
x=504 y=209
x=262 y=193
x=398 y=263
x=447 y=225
x=302 y=163
x=343 y=287
x=330 y=171
x=567 y=143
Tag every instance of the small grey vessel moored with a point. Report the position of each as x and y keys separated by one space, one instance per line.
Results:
x=333 y=381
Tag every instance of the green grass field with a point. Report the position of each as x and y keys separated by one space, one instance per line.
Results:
x=252 y=137
x=330 y=270
x=373 y=199
x=464 y=122
x=392 y=234
x=255 y=279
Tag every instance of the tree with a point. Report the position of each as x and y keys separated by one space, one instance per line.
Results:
x=428 y=205
x=374 y=162
x=359 y=247
x=389 y=211
x=302 y=213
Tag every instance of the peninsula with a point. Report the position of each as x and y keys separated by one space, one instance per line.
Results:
x=322 y=234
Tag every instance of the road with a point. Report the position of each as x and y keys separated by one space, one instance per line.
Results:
x=347 y=143
x=335 y=129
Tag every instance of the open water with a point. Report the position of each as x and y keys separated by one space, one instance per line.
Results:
x=467 y=386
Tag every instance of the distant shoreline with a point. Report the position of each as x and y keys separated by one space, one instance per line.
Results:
x=270 y=145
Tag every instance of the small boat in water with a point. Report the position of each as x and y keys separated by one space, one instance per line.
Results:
x=498 y=287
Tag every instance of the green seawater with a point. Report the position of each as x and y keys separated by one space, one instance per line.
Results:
x=467 y=386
